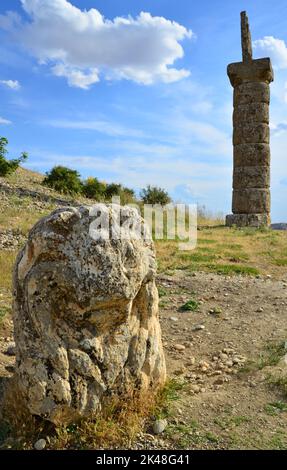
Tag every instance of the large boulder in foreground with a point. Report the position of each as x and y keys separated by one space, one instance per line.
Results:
x=85 y=312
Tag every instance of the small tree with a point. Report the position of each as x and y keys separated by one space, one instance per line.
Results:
x=155 y=195
x=113 y=189
x=7 y=167
x=64 y=180
x=94 y=189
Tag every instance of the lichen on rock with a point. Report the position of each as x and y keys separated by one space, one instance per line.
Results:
x=85 y=312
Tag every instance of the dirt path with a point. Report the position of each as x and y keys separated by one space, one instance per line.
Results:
x=225 y=355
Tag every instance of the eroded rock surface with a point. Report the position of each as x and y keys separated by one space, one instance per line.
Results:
x=85 y=313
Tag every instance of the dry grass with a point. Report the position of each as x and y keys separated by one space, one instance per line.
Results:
x=116 y=426
x=228 y=251
x=7 y=260
x=21 y=213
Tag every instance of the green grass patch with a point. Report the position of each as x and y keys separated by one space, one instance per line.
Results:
x=4 y=310
x=272 y=355
x=190 y=306
x=275 y=408
x=229 y=246
x=237 y=257
x=169 y=394
x=229 y=269
x=280 y=262
x=238 y=420
x=280 y=383
x=206 y=241
x=206 y=249
x=162 y=292
x=197 y=257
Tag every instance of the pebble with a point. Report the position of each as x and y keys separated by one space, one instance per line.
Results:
x=159 y=426
x=180 y=371
x=228 y=350
x=40 y=444
x=191 y=361
x=11 y=349
x=223 y=356
x=173 y=318
x=204 y=364
x=198 y=327
x=179 y=347
x=236 y=360
x=252 y=384
x=195 y=388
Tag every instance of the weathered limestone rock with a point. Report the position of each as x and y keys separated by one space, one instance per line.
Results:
x=250 y=176
x=85 y=313
x=247 y=200
x=251 y=136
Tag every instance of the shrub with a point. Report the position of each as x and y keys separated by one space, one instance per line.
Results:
x=7 y=167
x=94 y=189
x=113 y=189
x=64 y=180
x=127 y=196
x=155 y=195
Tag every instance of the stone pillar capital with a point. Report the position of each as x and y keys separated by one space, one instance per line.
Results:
x=258 y=70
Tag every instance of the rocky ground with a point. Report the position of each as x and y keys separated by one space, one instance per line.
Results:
x=226 y=354
x=226 y=359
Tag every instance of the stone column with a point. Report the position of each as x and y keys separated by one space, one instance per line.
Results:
x=251 y=151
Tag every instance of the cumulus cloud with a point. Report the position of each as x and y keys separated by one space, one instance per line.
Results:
x=13 y=84
x=82 y=45
x=277 y=50
x=4 y=121
x=76 y=77
x=274 y=48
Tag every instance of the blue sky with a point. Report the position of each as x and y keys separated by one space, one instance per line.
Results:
x=136 y=97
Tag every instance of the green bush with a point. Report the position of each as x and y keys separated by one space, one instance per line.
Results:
x=155 y=195
x=7 y=167
x=94 y=189
x=64 y=180
x=113 y=189
x=127 y=196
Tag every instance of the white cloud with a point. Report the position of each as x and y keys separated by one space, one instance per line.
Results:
x=274 y=48
x=81 y=44
x=143 y=170
x=104 y=127
x=76 y=77
x=4 y=121
x=278 y=129
x=13 y=84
